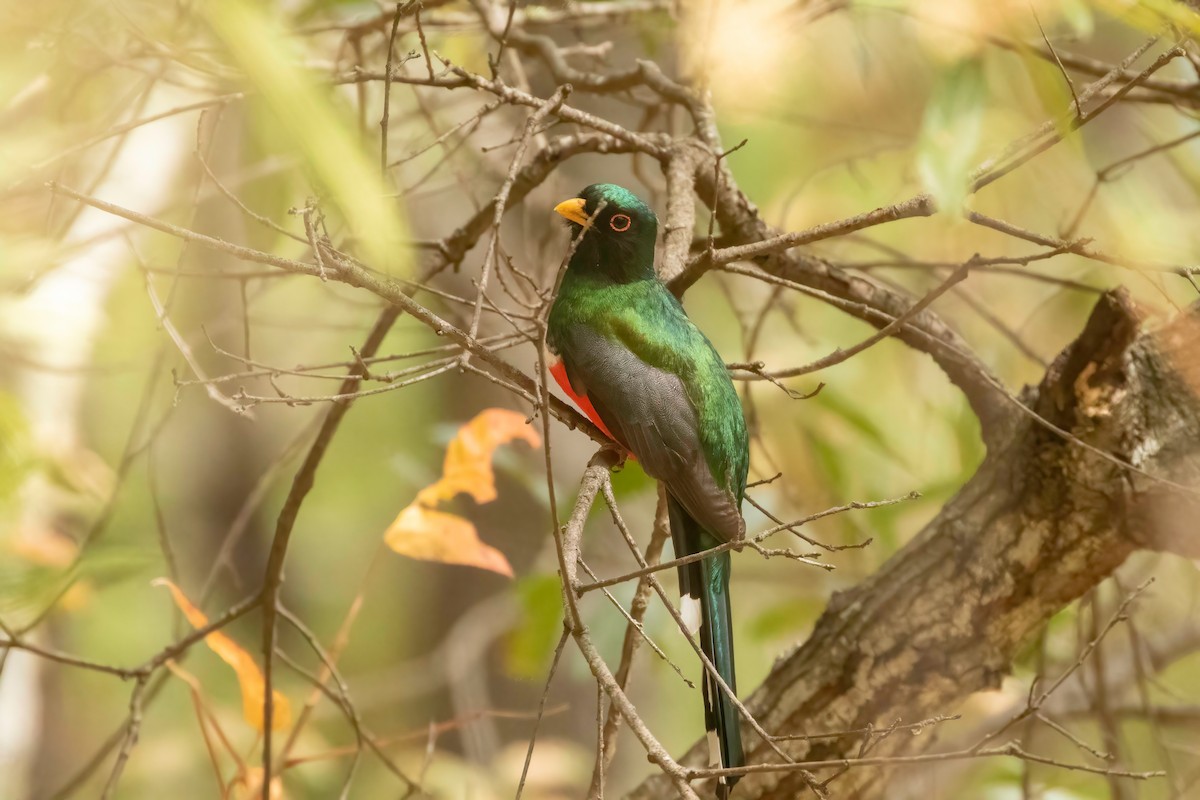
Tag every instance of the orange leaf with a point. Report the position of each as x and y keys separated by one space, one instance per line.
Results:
x=248 y=674
x=47 y=549
x=468 y=464
x=430 y=535
x=423 y=533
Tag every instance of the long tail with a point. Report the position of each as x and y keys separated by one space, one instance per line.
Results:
x=704 y=604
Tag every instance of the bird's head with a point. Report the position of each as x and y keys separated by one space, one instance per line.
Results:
x=616 y=230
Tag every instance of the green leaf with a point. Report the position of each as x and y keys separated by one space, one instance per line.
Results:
x=1050 y=87
x=951 y=131
x=631 y=480
x=531 y=643
x=1078 y=15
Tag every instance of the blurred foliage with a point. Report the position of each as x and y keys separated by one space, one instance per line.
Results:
x=844 y=111
x=15 y=455
x=951 y=131
x=307 y=120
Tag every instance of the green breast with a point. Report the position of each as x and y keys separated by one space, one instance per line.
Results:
x=647 y=319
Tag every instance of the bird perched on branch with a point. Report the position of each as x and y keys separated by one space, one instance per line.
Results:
x=647 y=376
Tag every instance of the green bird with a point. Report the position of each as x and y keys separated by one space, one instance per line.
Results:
x=651 y=380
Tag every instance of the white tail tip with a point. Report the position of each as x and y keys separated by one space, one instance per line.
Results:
x=689 y=609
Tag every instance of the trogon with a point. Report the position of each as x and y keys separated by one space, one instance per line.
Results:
x=648 y=377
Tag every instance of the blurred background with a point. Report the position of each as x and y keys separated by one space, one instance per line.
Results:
x=156 y=396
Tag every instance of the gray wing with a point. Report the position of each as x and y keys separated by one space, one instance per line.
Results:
x=649 y=412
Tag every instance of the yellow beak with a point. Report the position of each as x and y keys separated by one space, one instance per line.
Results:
x=573 y=210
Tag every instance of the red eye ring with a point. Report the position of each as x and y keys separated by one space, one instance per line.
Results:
x=612 y=223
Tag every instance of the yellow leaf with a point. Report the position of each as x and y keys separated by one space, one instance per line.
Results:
x=429 y=535
x=248 y=674
x=423 y=533
x=468 y=465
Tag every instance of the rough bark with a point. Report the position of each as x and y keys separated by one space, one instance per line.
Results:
x=1042 y=521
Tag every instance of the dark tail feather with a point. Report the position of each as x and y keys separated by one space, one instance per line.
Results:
x=706 y=584
x=716 y=636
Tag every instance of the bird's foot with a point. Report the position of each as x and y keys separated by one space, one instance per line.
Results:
x=611 y=456
x=618 y=455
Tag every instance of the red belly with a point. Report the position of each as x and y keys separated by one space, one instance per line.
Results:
x=559 y=371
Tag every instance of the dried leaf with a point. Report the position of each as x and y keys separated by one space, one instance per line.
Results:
x=468 y=464
x=421 y=532
x=249 y=675
x=429 y=535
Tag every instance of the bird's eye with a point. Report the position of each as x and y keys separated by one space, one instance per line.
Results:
x=620 y=222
